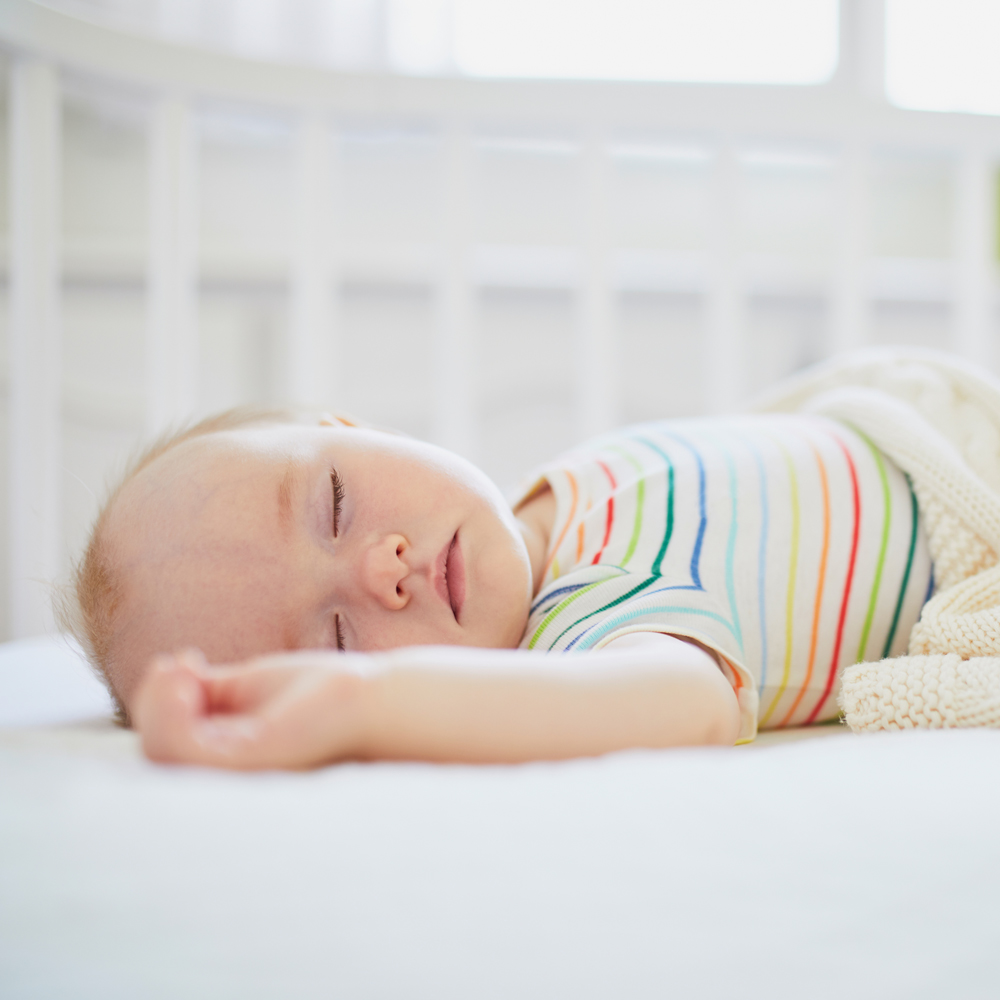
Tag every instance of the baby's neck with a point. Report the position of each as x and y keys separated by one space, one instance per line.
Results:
x=535 y=518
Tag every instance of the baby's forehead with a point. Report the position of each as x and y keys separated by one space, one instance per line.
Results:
x=188 y=476
x=262 y=445
x=265 y=441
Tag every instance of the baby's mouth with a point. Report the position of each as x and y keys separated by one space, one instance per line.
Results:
x=454 y=576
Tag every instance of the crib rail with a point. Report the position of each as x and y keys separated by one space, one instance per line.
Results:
x=848 y=117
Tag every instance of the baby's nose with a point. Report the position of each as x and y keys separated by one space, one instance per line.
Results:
x=383 y=571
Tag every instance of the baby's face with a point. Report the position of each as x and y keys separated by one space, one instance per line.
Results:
x=293 y=536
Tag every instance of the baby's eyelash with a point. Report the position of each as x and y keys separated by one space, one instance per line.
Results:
x=340 y=632
x=338 y=498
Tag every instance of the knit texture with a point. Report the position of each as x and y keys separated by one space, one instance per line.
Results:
x=938 y=419
x=929 y=692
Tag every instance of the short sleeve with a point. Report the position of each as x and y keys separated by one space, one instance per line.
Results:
x=588 y=608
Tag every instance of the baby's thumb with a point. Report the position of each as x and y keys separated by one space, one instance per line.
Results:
x=166 y=710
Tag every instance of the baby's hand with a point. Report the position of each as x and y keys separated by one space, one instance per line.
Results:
x=290 y=710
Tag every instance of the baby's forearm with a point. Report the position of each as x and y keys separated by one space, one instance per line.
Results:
x=452 y=704
x=446 y=703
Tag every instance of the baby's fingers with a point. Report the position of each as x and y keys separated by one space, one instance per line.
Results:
x=171 y=716
x=166 y=706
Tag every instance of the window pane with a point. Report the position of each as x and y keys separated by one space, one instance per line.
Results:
x=734 y=41
x=941 y=55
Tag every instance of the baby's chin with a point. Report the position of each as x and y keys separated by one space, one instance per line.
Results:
x=506 y=624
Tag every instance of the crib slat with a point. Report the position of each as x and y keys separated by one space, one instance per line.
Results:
x=724 y=342
x=34 y=347
x=861 y=41
x=454 y=418
x=849 y=327
x=312 y=358
x=596 y=375
x=974 y=220
x=172 y=365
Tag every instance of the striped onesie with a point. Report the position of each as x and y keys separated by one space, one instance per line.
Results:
x=787 y=544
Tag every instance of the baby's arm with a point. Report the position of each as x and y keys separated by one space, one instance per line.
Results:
x=438 y=703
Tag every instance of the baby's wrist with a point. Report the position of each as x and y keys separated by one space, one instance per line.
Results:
x=353 y=705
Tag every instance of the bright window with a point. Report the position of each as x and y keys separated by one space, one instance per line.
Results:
x=726 y=41
x=944 y=55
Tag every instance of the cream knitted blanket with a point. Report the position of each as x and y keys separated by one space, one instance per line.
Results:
x=938 y=419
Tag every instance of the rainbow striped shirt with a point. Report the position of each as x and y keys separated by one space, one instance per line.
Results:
x=789 y=545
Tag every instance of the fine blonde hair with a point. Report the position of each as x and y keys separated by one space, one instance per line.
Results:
x=90 y=607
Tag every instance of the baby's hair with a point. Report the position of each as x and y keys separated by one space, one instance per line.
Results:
x=90 y=607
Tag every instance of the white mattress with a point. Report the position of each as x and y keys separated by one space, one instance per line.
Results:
x=849 y=866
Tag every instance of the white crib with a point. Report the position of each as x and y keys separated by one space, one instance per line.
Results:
x=639 y=190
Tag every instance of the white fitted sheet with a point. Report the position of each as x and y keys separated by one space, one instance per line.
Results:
x=858 y=866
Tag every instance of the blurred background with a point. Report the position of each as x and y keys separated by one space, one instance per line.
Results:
x=498 y=224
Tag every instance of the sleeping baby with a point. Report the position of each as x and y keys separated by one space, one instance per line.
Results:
x=278 y=589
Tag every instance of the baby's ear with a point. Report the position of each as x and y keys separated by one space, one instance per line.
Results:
x=329 y=420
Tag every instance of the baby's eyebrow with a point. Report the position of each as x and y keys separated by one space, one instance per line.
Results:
x=285 y=490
